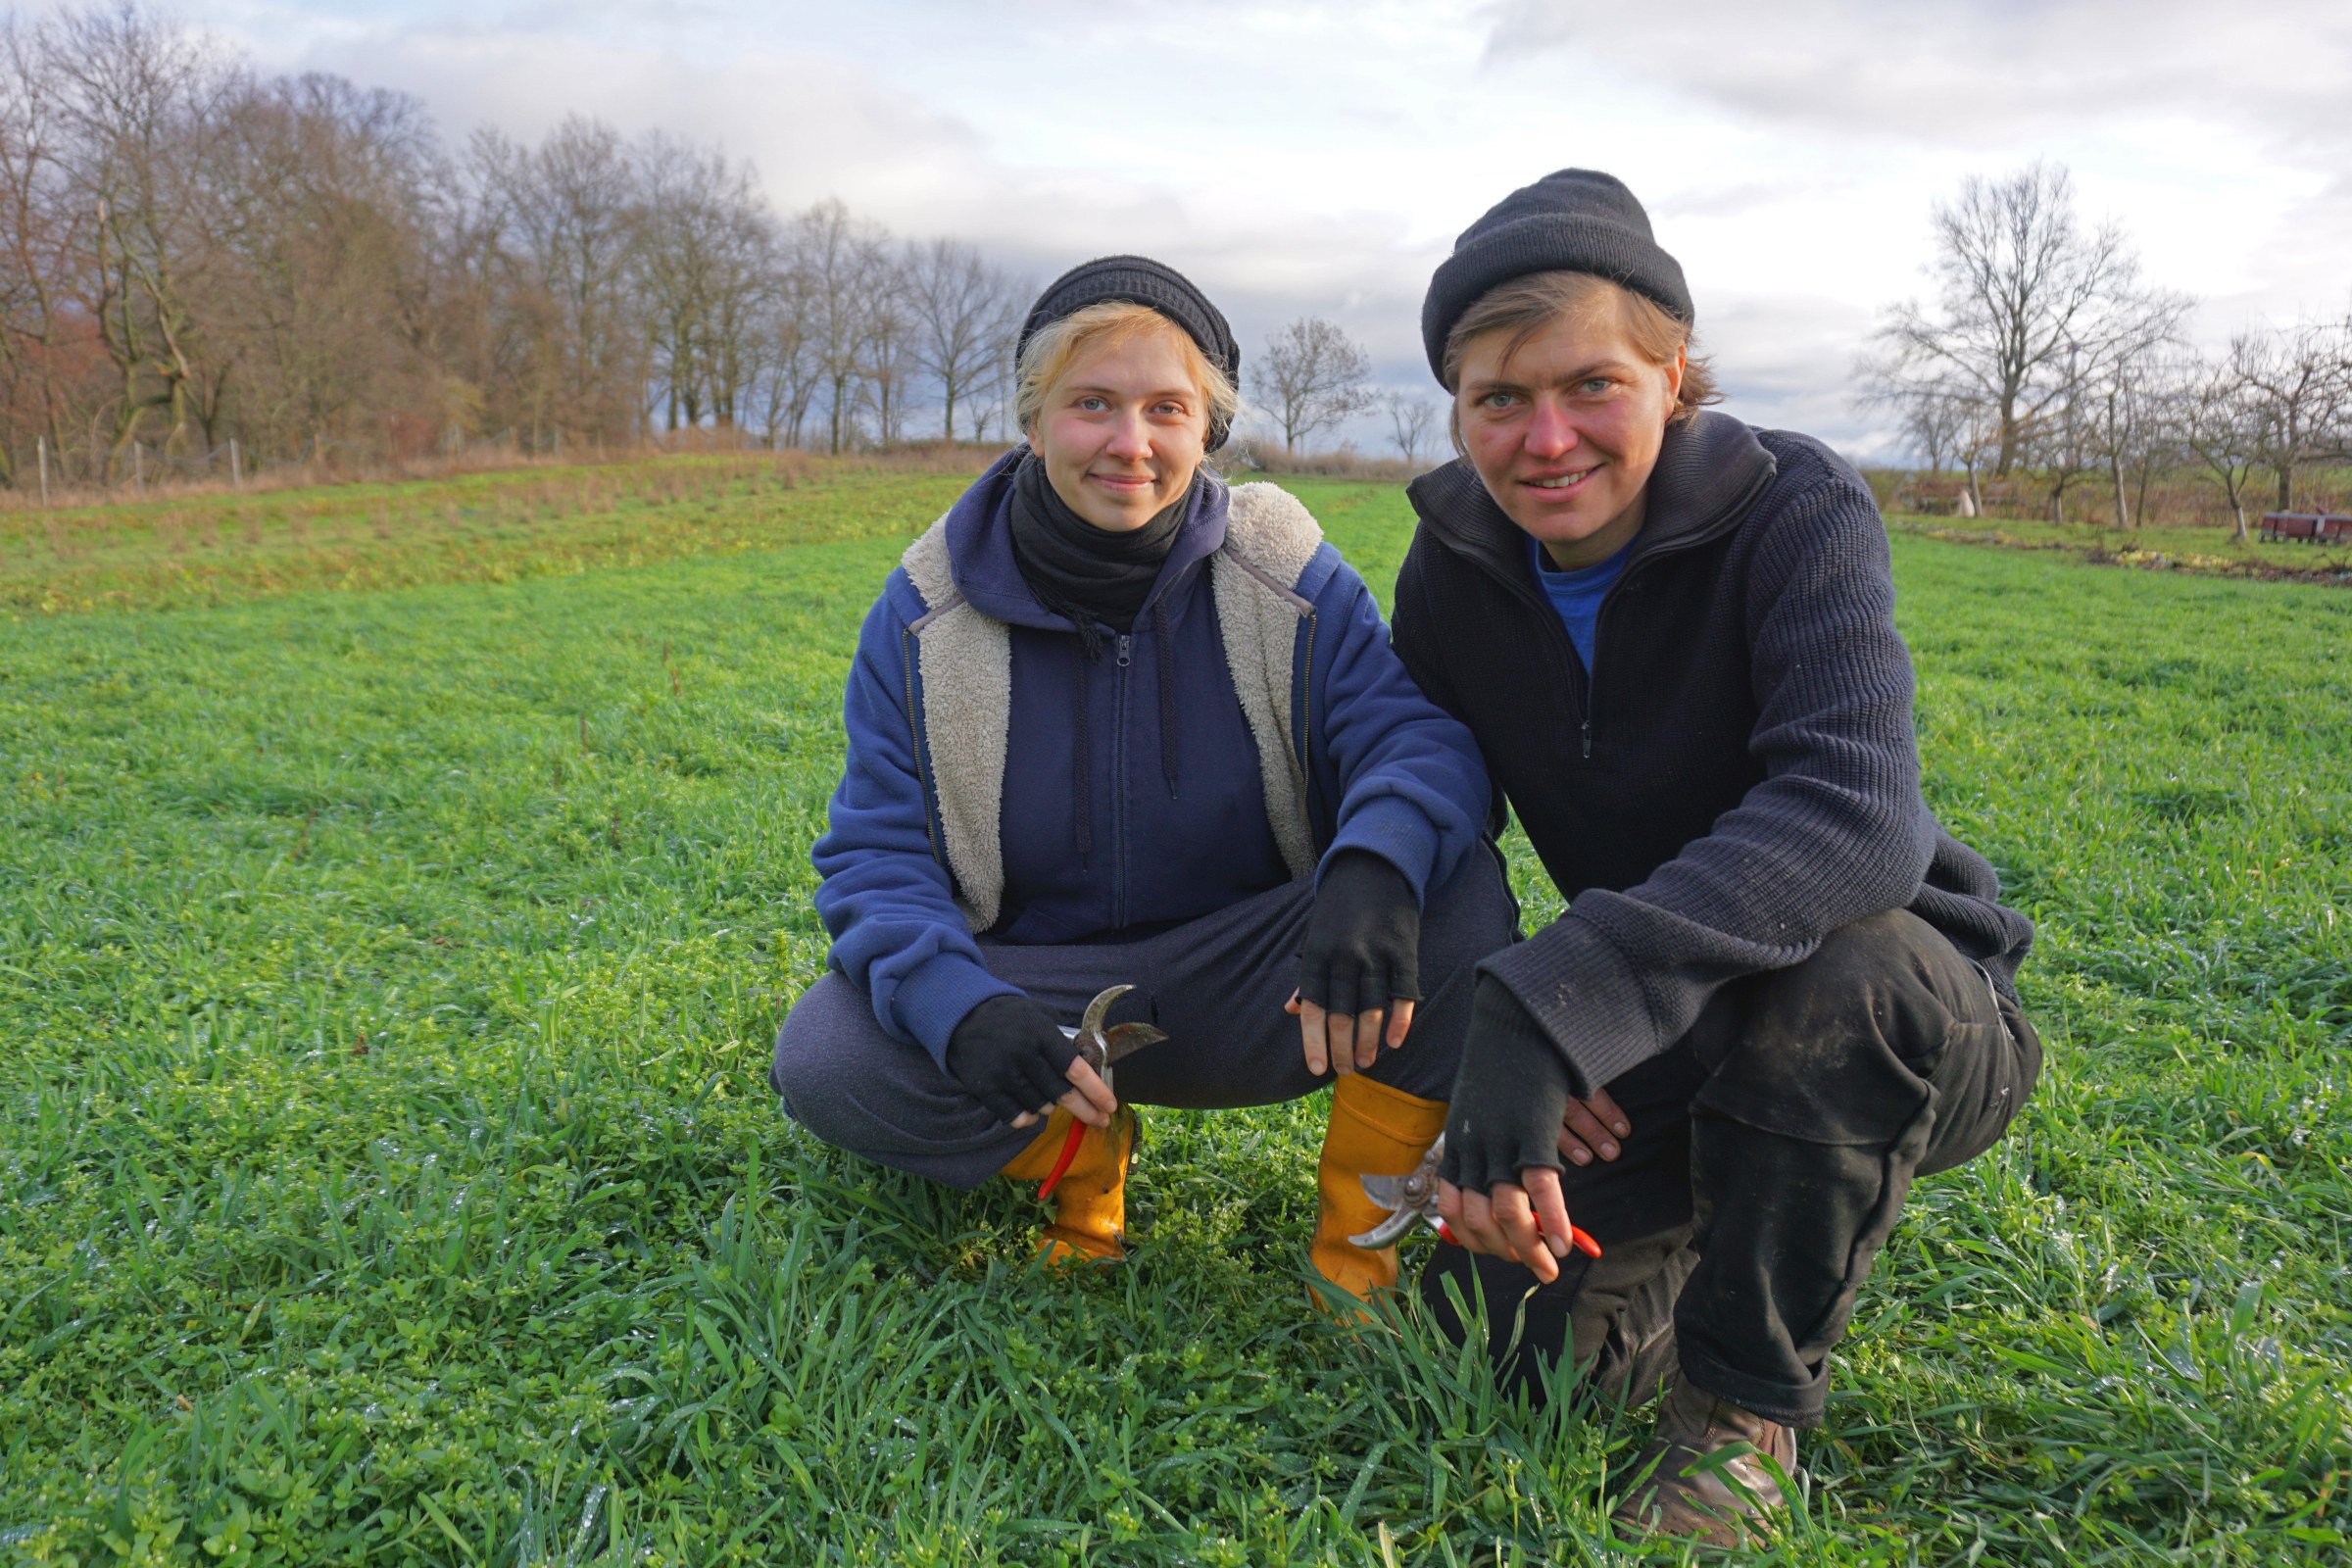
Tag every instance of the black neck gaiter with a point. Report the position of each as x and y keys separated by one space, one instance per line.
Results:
x=1087 y=576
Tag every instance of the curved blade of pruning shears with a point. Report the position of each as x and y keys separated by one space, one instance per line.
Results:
x=1102 y=1047
x=1391 y=1230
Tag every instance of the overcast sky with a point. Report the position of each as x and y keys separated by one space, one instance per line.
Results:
x=1321 y=157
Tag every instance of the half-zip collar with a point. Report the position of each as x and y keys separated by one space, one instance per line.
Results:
x=987 y=574
x=1710 y=470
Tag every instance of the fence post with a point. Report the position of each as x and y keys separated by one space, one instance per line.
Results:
x=138 y=467
x=236 y=472
x=43 y=443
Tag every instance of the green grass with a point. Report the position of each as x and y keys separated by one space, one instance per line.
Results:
x=388 y=1174
x=218 y=547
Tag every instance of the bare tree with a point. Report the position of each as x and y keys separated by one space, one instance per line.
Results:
x=705 y=261
x=571 y=228
x=962 y=309
x=1942 y=420
x=2021 y=285
x=2216 y=415
x=39 y=236
x=1976 y=440
x=887 y=360
x=1934 y=421
x=842 y=257
x=996 y=406
x=1312 y=377
x=2115 y=380
x=2131 y=432
x=2299 y=382
x=140 y=100
x=1410 y=416
x=2061 y=440
x=317 y=300
x=789 y=370
x=746 y=273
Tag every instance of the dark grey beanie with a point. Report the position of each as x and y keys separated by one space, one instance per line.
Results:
x=1141 y=280
x=1573 y=220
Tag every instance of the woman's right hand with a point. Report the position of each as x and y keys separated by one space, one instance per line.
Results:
x=1016 y=1060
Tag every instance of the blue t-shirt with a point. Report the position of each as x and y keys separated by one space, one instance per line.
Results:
x=1576 y=596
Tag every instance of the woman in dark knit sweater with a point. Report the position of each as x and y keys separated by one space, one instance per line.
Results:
x=1781 y=990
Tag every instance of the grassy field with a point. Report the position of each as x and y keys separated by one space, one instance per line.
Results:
x=2196 y=547
x=388 y=960
x=220 y=546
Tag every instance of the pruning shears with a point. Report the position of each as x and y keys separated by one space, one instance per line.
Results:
x=1412 y=1200
x=1100 y=1048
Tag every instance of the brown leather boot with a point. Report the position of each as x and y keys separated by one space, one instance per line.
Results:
x=1704 y=1477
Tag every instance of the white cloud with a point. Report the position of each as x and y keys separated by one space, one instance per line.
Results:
x=1971 y=73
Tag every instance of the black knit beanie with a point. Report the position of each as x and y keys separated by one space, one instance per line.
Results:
x=1573 y=220
x=1141 y=280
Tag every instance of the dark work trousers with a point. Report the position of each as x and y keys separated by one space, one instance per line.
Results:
x=1772 y=1149
x=1216 y=985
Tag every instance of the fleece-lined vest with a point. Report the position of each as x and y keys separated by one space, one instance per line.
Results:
x=965 y=682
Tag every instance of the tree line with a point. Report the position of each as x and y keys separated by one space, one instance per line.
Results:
x=2044 y=354
x=197 y=257
x=193 y=253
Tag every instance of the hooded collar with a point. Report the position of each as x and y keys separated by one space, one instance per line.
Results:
x=1710 y=470
x=980 y=546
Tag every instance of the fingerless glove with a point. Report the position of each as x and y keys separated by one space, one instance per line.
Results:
x=1011 y=1056
x=1510 y=1095
x=1363 y=937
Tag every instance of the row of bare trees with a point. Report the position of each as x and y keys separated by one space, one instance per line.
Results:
x=2043 y=352
x=193 y=253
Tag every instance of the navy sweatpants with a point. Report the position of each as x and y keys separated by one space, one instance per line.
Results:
x=1216 y=985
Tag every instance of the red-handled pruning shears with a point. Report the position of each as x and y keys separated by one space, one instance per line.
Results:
x=1100 y=1048
x=1412 y=1200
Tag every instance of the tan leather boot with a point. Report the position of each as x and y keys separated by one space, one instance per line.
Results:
x=1704 y=1476
x=1090 y=1201
x=1374 y=1130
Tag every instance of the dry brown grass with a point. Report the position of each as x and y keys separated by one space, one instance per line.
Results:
x=214 y=545
x=918 y=456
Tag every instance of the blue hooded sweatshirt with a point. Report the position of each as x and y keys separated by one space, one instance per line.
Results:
x=1171 y=822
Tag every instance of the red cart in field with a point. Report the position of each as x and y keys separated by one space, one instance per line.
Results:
x=2319 y=527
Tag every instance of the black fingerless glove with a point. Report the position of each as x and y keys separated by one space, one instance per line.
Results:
x=1363 y=937
x=1011 y=1056
x=1509 y=1097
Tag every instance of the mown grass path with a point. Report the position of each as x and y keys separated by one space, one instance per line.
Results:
x=387 y=1172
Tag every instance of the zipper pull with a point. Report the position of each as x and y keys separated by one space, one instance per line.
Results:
x=1588 y=728
x=1123 y=641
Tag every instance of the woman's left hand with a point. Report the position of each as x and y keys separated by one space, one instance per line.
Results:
x=1358 y=969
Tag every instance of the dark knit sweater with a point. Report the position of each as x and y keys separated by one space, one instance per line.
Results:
x=1744 y=780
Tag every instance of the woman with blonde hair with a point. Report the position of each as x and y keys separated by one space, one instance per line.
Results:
x=1112 y=722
